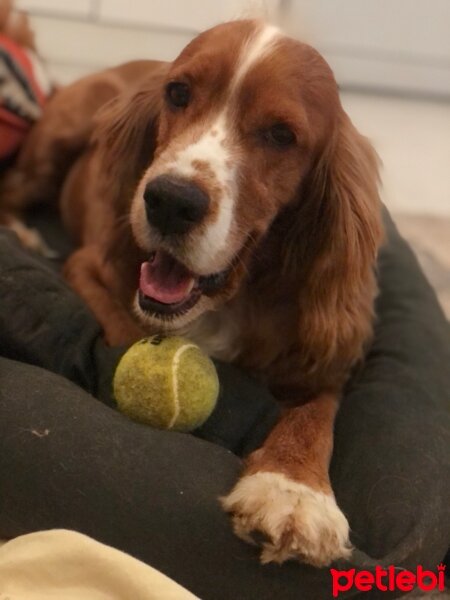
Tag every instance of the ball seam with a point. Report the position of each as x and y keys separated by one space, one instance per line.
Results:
x=176 y=400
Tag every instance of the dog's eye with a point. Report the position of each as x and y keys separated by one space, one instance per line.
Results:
x=178 y=94
x=280 y=135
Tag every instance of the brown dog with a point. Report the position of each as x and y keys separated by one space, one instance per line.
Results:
x=227 y=197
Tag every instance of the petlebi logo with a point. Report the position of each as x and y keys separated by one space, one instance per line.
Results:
x=388 y=579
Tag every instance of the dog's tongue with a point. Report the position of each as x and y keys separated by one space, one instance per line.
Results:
x=165 y=279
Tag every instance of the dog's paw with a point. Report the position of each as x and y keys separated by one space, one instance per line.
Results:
x=296 y=521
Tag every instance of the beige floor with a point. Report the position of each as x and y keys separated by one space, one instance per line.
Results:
x=429 y=236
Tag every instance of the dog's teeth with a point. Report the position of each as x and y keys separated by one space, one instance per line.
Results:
x=191 y=286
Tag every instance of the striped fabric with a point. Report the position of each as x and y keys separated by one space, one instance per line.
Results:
x=24 y=87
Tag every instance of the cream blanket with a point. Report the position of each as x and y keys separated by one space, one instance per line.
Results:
x=70 y=566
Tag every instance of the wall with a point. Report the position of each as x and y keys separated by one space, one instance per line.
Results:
x=400 y=46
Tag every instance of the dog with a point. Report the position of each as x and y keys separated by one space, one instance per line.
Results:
x=228 y=197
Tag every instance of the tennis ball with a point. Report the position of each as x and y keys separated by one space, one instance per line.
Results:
x=166 y=382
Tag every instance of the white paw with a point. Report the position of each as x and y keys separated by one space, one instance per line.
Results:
x=297 y=521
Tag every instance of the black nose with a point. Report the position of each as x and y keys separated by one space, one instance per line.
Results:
x=174 y=206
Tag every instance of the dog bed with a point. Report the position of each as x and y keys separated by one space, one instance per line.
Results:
x=69 y=460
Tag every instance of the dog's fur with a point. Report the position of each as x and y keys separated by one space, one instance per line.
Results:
x=297 y=226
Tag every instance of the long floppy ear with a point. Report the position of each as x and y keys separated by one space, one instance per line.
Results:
x=126 y=130
x=341 y=233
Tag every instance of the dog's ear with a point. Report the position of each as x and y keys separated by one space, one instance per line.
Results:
x=338 y=232
x=126 y=129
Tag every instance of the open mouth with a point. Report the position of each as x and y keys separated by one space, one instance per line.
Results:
x=167 y=288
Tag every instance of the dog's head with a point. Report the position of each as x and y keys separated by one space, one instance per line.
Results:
x=244 y=126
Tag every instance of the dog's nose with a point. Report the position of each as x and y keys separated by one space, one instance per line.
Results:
x=174 y=206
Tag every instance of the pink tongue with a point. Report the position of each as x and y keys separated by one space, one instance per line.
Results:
x=166 y=280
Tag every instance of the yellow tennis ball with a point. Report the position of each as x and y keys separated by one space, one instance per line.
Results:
x=166 y=382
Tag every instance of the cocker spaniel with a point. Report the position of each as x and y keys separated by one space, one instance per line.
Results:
x=227 y=197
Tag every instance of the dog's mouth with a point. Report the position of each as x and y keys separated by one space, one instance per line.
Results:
x=168 y=289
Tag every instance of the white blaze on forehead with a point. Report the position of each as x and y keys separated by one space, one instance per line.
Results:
x=213 y=147
x=255 y=50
